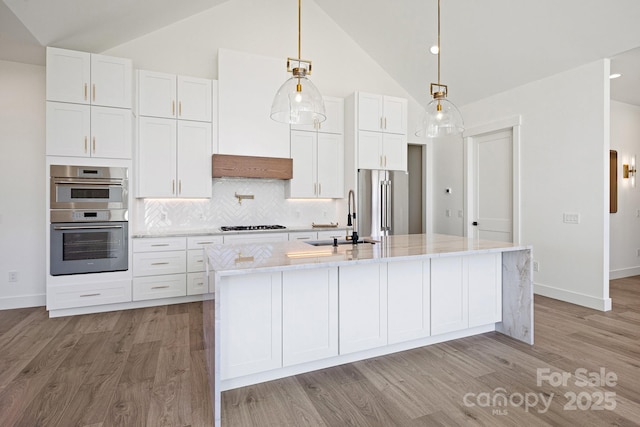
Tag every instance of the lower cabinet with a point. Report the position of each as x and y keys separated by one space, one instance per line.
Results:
x=309 y=315
x=88 y=294
x=466 y=292
x=363 y=307
x=165 y=286
x=251 y=324
x=408 y=300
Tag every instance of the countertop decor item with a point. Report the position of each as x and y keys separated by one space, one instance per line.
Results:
x=298 y=101
x=442 y=117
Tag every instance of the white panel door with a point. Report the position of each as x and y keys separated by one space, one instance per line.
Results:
x=156 y=94
x=304 y=182
x=309 y=315
x=394 y=148
x=485 y=289
x=68 y=129
x=370 y=150
x=194 y=159
x=68 y=75
x=363 y=307
x=370 y=112
x=395 y=115
x=493 y=186
x=250 y=324
x=156 y=157
x=330 y=165
x=409 y=306
x=194 y=99
x=111 y=132
x=111 y=81
x=449 y=295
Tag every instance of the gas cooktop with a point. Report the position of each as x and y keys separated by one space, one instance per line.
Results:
x=251 y=227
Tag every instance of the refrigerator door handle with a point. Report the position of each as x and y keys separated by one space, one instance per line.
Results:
x=388 y=205
x=383 y=207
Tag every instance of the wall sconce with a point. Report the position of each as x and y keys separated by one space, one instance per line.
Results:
x=629 y=171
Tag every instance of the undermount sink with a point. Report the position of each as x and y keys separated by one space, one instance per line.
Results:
x=339 y=242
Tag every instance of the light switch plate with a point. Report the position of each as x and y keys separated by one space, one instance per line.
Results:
x=571 y=218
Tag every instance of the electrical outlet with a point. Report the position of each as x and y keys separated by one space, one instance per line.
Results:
x=536 y=266
x=448 y=213
x=324 y=214
x=13 y=276
x=163 y=216
x=460 y=214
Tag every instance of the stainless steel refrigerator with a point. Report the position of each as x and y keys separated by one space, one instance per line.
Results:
x=382 y=203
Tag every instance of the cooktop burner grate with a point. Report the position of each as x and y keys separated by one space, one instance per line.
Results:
x=251 y=227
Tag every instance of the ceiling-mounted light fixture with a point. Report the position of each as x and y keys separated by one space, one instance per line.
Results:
x=441 y=117
x=298 y=101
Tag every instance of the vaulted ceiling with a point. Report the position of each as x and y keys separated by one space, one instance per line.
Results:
x=488 y=46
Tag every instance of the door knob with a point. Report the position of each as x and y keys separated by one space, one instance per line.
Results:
x=474 y=223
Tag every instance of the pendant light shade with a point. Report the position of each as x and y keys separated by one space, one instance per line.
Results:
x=442 y=117
x=298 y=101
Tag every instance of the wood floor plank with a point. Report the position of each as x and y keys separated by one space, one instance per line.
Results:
x=201 y=398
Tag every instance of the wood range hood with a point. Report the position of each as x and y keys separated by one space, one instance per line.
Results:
x=224 y=165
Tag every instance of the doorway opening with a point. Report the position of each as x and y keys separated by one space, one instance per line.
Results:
x=416 y=161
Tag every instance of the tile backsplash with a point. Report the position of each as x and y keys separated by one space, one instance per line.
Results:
x=269 y=206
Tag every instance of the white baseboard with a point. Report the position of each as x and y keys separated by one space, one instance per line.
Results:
x=23 y=301
x=624 y=272
x=602 y=304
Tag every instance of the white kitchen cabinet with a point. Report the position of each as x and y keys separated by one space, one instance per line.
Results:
x=363 y=307
x=449 y=294
x=247 y=84
x=318 y=165
x=380 y=113
x=91 y=79
x=196 y=263
x=250 y=324
x=485 y=289
x=82 y=131
x=309 y=315
x=159 y=268
x=159 y=244
x=409 y=300
x=164 y=286
x=171 y=96
x=88 y=294
x=174 y=158
x=159 y=263
x=382 y=151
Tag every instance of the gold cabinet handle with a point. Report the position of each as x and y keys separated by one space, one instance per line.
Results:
x=173 y=108
x=385 y=161
x=319 y=188
x=381 y=127
x=173 y=186
x=93 y=94
x=180 y=108
x=160 y=287
x=85 y=91
x=160 y=263
x=94 y=145
x=90 y=295
x=179 y=186
x=85 y=145
x=385 y=122
x=315 y=188
x=381 y=162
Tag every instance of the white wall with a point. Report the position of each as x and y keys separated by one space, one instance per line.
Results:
x=564 y=168
x=625 y=224
x=448 y=172
x=22 y=175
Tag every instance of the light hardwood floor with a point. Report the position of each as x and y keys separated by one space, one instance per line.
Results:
x=147 y=367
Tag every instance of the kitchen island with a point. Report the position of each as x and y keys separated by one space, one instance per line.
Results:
x=285 y=308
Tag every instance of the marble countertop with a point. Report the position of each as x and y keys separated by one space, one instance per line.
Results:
x=217 y=232
x=246 y=258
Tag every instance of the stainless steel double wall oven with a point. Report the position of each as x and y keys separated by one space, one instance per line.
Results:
x=89 y=219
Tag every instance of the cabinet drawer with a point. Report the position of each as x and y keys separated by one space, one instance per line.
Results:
x=195 y=260
x=303 y=235
x=197 y=284
x=87 y=294
x=159 y=244
x=326 y=235
x=197 y=242
x=155 y=263
x=256 y=238
x=168 y=286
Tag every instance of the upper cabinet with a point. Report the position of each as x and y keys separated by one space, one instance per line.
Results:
x=247 y=85
x=170 y=96
x=379 y=138
x=381 y=113
x=88 y=105
x=318 y=156
x=85 y=78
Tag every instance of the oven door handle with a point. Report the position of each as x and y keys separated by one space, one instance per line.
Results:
x=92 y=182
x=86 y=227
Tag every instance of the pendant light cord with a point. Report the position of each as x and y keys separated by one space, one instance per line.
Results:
x=300 y=25
x=439 y=42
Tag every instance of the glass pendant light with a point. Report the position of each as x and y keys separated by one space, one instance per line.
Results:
x=442 y=117
x=298 y=101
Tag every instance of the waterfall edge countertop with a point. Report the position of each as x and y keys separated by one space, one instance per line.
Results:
x=232 y=259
